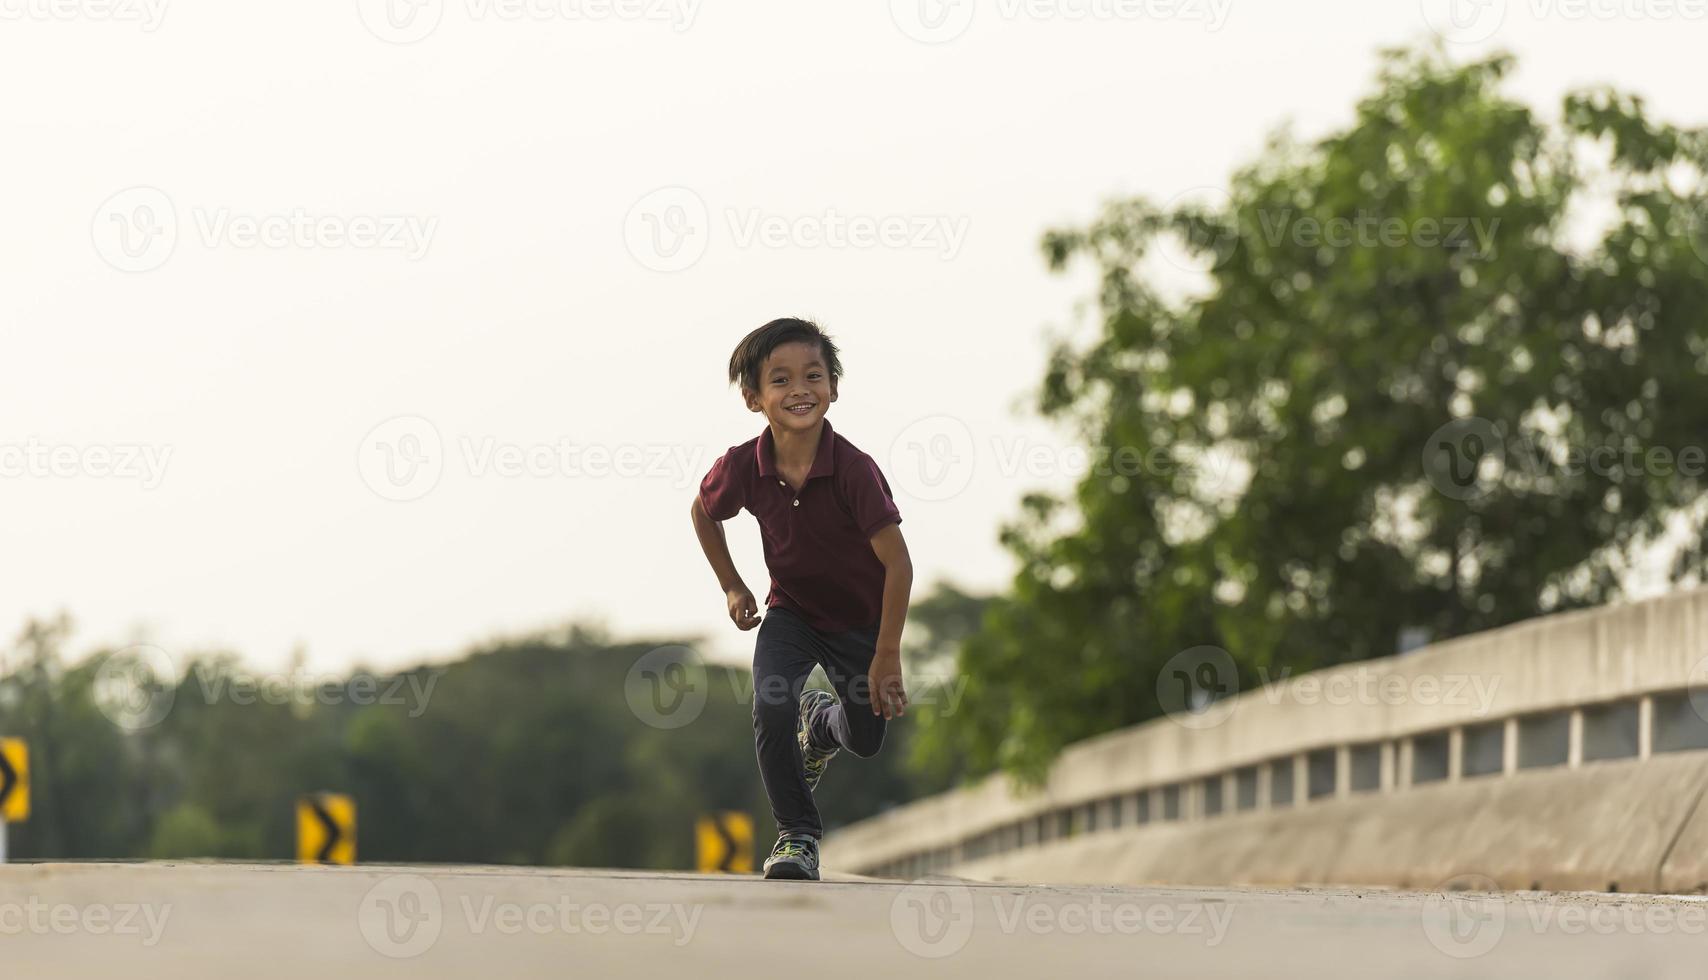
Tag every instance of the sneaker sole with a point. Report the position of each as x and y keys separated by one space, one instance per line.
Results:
x=790 y=872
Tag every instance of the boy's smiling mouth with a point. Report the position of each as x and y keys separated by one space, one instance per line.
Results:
x=800 y=409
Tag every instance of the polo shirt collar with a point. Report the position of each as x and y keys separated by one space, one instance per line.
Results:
x=823 y=462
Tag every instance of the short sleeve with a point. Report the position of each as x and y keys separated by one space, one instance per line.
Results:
x=723 y=492
x=868 y=496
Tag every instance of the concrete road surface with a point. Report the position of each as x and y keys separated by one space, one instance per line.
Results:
x=186 y=921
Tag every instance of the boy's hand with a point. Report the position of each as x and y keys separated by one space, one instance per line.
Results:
x=888 y=697
x=743 y=611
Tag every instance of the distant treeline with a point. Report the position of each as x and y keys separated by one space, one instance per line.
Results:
x=543 y=750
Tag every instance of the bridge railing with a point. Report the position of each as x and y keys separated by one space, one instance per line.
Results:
x=1619 y=682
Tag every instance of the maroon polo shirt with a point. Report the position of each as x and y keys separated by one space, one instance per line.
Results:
x=818 y=541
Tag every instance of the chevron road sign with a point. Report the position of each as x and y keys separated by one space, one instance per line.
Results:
x=326 y=829
x=725 y=843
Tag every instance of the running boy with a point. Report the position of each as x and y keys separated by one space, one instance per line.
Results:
x=840 y=577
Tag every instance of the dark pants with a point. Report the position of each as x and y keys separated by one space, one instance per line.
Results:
x=783 y=656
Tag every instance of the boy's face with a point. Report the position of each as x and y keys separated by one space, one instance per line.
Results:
x=795 y=388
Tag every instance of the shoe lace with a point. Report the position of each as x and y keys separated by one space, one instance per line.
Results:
x=789 y=847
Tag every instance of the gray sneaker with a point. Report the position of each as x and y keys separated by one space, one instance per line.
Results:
x=794 y=856
x=813 y=759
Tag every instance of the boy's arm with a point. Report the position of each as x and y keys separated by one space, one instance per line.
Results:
x=743 y=611
x=888 y=696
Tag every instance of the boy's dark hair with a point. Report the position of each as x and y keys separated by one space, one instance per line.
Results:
x=754 y=348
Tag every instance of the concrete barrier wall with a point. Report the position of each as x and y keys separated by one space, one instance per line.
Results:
x=1605 y=827
x=1494 y=691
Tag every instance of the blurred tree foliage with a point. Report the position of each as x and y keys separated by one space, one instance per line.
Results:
x=1449 y=255
x=523 y=752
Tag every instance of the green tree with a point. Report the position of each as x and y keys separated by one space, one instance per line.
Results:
x=1304 y=493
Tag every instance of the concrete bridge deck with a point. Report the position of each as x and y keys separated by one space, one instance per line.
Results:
x=185 y=921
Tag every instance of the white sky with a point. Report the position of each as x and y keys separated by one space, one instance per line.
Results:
x=523 y=146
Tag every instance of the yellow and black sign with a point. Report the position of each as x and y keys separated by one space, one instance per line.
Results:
x=14 y=780
x=326 y=829
x=725 y=843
